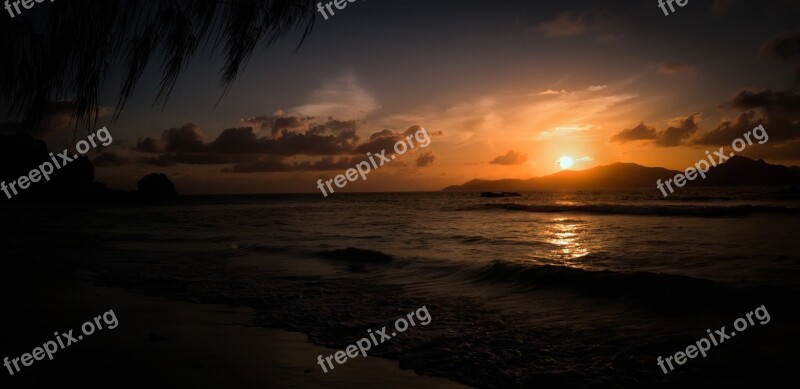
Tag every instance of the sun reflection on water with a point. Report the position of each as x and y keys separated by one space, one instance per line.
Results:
x=567 y=236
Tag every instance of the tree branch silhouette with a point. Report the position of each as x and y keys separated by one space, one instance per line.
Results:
x=68 y=54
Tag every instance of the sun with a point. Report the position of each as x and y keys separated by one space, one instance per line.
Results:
x=566 y=162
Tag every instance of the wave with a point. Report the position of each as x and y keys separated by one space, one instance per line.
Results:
x=664 y=289
x=647 y=210
x=352 y=254
x=480 y=240
x=597 y=282
x=657 y=291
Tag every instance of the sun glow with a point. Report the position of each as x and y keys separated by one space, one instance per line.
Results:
x=566 y=162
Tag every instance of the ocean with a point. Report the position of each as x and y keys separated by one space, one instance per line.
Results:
x=551 y=289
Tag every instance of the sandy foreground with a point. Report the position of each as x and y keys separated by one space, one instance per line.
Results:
x=166 y=343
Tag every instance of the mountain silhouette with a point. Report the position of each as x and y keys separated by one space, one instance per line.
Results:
x=737 y=171
x=742 y=171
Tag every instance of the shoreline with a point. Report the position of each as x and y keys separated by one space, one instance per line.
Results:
x=177 y=343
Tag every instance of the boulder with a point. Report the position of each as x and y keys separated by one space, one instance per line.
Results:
x=156 y=187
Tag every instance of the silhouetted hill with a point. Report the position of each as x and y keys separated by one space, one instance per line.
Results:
x=742 y=171
x=738 y=171
x=20 y=153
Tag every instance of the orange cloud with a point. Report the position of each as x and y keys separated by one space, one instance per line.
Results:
x=510 y=158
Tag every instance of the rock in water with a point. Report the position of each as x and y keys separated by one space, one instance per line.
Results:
x=157 y=187
x=501 y=194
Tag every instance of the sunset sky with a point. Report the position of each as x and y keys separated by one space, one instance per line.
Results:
x=505 y=88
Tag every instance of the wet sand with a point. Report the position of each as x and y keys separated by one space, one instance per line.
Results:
x=165 y=343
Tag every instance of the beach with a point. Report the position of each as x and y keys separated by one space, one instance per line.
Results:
x=169 y=343
x=410 y=194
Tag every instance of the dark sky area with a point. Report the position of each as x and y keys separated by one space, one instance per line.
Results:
x=529 y=81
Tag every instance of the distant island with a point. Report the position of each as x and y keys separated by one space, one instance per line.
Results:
x=737 y=171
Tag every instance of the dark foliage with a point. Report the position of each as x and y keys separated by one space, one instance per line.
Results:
x=64 y=51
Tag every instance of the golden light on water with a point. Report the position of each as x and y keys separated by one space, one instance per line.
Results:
x=566 y=236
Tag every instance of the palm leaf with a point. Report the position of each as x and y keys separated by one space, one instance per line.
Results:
x=68 y=54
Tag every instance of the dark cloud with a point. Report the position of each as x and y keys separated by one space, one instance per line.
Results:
x=640 y=132
x=412 y=130
x=785 y=46
x=186 y=139
x=277 y=122
x=251 y=152
x=674 y=135
x=510 y=158
x=240 y=140
x=244 y=140
x=286 y=123
x=341 y=126
x=382 y=143
x=386 y=139
x=572 y=23
x=329 y=163
x=386 y=134
x=381 y=134
x=333 y=137
x=768 y=100
x=726 y=131
x=149 y=145
x=310 y=143
x=426 y=159
x=778 y=111
x=275 y=164
x=257 y=121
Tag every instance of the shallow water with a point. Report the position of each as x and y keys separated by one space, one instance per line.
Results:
x=554 y=288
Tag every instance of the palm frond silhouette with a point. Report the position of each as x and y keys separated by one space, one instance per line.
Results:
x=67 y=55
